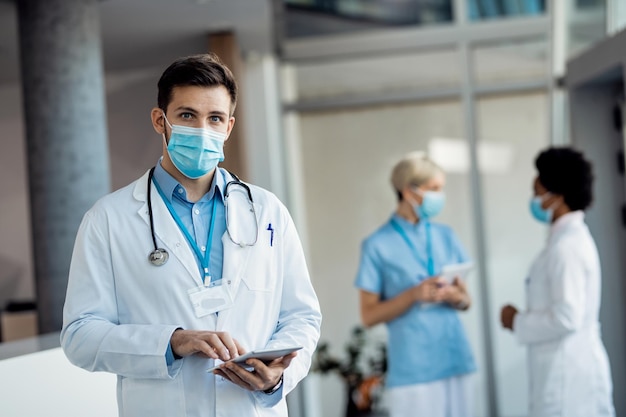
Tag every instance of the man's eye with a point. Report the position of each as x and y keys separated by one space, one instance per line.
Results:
x=186 y=116
x=216 y=119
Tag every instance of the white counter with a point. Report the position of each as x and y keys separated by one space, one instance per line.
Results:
x=37 y=380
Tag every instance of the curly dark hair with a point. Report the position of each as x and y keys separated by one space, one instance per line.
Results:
x=565 y=171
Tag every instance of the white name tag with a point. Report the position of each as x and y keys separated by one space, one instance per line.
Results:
x=210 y=299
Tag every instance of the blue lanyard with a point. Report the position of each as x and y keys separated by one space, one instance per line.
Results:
x=205 y=261
x=430 y=263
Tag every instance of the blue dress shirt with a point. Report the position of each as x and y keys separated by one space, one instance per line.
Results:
x=196 y=218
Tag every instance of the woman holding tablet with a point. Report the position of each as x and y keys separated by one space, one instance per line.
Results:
x=429 y=356
x=568 y=366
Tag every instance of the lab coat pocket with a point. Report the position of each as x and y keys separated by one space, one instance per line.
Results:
x=258 y=283
x=146 y=397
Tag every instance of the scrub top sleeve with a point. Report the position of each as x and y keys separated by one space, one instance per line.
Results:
x=566 y=278
x=369 y=276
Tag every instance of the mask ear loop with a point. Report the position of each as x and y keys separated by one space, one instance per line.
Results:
x=165 y=130
x=166 y=121
x=552 y=206
x=419 y=192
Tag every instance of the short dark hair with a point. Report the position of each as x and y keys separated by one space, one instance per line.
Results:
x=205 y=70
x=565 y=171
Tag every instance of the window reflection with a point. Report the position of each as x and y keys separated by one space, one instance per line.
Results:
x=590 y=3
x=587 y=21
x=490 y=9
x=311 y=17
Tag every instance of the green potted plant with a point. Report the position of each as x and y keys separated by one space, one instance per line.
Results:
x=362 y=369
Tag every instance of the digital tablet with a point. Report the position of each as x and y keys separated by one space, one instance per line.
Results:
x=449 y=272
x=265 y=355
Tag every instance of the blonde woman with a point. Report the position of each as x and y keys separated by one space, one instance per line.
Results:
x=429 y=356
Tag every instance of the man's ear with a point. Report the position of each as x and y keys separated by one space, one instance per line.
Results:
x=231 y=124
x=158 y=120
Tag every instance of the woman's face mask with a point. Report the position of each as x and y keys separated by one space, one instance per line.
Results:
x=195 y=151
x=538 y=212
x=432 y=204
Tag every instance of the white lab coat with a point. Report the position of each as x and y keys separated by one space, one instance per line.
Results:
x=121 y=310
x=568 y=365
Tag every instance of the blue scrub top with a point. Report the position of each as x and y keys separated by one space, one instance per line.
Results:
x=427 y=342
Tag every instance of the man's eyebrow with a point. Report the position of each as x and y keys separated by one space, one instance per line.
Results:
x=187 y=109
x=194 y=111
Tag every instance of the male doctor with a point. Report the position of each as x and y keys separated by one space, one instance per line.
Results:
x=187 y=268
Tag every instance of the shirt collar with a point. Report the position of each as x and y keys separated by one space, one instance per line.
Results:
x=171 y=187
x=567 y=219
x=405 y=224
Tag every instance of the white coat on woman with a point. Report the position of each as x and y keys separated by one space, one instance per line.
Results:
x=568 y=365
x=121 y=310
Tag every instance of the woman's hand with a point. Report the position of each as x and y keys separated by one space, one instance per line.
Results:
x=456 y=294
x=429 y=290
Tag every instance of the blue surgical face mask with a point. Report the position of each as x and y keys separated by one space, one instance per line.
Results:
x=432 y=204
x=195 y=151
x=538 y=212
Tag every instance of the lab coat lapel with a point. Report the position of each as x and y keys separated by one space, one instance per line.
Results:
x=165 y=228
x=234 y=266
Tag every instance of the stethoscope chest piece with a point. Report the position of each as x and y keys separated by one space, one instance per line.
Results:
x=158 y=257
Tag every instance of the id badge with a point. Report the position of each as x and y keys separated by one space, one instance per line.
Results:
x=210 y=299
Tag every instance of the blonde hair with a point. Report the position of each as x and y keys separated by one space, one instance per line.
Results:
x=414 y=169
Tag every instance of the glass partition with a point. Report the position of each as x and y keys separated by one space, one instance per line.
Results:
x=513 y=128
x=425 y=70
x=323 y=17
x=498 y=9
x=510 y=61
x=587 y=24
x=347 y=157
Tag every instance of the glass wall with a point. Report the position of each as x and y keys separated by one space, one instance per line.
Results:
x=323 y=17
x=304 y=18
x=379 y=74
x=587 y=24
x=347 y=160
x=498 y=9
x=510 y=61
x=352 y=115
x=512 y=131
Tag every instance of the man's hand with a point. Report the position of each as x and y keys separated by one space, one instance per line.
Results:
x=214 y=345
x=262 y=378
x=507 y=316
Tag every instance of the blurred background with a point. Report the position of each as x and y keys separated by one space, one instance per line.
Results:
x=333 y=93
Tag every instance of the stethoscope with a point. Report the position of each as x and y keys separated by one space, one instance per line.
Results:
x=159 y=256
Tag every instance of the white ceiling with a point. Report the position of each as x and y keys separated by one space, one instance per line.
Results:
x=143 y=33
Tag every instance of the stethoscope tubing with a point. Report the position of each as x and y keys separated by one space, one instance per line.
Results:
x=150 y=176
x=159 y=256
